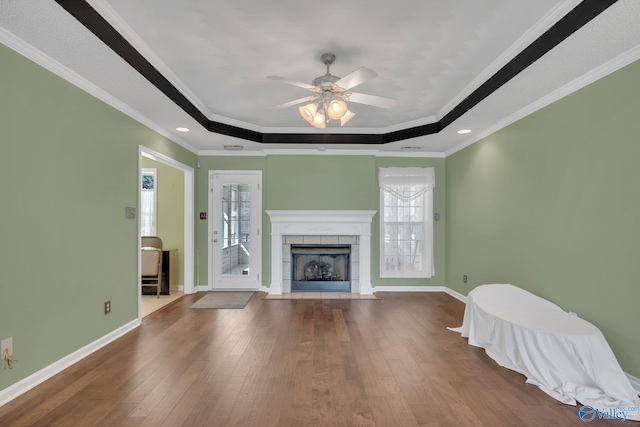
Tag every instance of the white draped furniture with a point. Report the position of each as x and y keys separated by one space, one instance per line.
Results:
x=564 y=355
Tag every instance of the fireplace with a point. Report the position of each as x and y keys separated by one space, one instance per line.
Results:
x=320 y=268
x=346 y=227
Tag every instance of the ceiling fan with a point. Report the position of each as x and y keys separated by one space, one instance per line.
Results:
x=331 y=93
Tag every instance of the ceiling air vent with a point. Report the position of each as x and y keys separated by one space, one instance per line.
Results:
x=411 y=148
x=233 y=147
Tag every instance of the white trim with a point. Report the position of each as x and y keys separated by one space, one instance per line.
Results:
x=457 y=295
x=316 y=152
x=635 y=382
x=387 y=178
x=77 y=80
x=9 y=39
x=58 y=366
x=232 y=153
x=189 y=216
x=257 y=210
x=327 y=152
x=319 y=223
x=203 y=288
x=340 y=130
x=586 y=79
x=533 y=33
x=425 y=154
x=422 y=288
x=116 y=21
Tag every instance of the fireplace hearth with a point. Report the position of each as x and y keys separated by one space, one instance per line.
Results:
x=320 y=268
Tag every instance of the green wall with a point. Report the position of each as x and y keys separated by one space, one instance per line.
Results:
x=551 y=204
x=322 y=182
x=68 y=169
x=170 y=209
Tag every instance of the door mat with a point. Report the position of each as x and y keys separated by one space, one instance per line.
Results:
x=224 y=299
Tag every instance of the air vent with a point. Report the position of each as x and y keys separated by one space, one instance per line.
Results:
x=411 y=148
x=233 y=147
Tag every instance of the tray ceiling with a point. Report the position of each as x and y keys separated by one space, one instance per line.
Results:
x=430 y=56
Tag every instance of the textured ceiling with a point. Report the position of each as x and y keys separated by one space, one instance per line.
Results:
x=429 y=56
x=425 y=52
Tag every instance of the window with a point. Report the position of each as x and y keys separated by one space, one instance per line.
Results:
x=406 y=222
x=148 y=202
x=235 y=214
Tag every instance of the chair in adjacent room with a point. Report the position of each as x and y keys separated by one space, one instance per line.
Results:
x=152 y=262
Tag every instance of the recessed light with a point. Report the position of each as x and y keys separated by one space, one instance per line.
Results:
x=182 y=129
x=463 y=131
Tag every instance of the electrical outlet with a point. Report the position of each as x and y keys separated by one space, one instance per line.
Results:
x=4 y=345
x=107 y=307
x=464 y=278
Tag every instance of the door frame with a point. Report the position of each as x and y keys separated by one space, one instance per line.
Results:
x=189 y=219
x=256 y=248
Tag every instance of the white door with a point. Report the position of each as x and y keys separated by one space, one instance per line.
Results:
x=234 y=229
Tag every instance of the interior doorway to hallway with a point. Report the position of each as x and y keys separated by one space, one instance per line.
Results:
x=186 y=275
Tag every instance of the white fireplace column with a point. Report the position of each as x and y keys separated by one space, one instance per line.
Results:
x=321 y=223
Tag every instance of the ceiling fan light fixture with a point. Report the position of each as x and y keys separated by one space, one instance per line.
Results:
x=337 y=109
x=346 y=117
x=331 y=95
x=308 y=112
x=318 y=121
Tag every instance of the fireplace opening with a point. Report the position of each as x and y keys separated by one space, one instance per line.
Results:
x=320 y=268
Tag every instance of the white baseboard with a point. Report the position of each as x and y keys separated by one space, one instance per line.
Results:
x=635 y=383
x=457 y=295
x=180 y=288
x=436 y=288
x=47 y=372
x=201 y=288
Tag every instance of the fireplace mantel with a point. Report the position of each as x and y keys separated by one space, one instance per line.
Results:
x=321 y=223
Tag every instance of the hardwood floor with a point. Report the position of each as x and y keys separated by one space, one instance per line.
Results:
x=388 y=362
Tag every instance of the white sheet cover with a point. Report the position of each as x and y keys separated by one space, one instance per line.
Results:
x=565 y=356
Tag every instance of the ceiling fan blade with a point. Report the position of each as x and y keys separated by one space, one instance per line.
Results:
x=359 y=76
x=294 y=102
x=376 y=101
x=293 y=82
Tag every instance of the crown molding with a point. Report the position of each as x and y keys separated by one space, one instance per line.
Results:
x=50 y=64
x=586 y=79
x=116 y=21
x=421 y=154
x=318 y=152
x=577 y=17
x=544 y=24
x=232 y=153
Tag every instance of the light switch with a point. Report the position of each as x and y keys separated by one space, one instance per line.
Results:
x=129 y=212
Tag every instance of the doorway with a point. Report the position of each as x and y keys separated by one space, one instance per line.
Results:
x=187 y=274
x=235 y=244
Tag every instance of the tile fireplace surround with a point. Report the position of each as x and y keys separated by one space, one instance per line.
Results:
x=322 y=223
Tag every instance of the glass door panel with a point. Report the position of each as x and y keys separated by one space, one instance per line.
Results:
x=235 y=215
